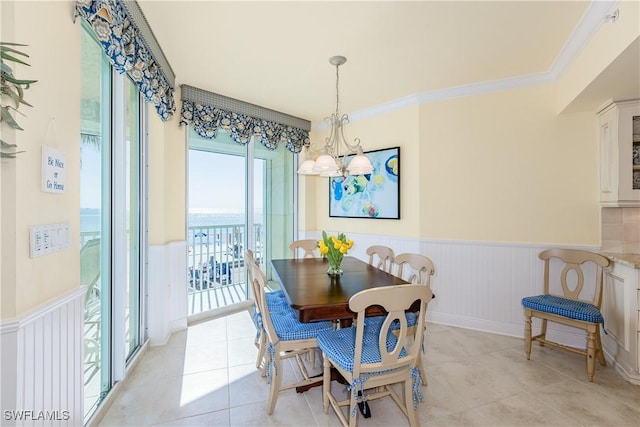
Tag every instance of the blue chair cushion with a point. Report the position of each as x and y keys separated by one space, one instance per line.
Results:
x=412 y=319
x=276 y=300
x=564 y=307
x=339 y=344
x=289 y=328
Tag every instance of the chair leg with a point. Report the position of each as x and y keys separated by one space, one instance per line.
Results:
x=543 y=332
x=423 y=374
x=412 y=414
x=599 y=351
x=312 y=357
x=261 y=350
x=353 y=419
x=276 y=380
x=527 y=335
x=326 y=383
x=591 y=361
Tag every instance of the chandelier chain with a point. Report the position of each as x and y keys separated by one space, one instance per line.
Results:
x=337 y=90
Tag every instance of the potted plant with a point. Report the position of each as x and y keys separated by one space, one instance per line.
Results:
x=12 y=92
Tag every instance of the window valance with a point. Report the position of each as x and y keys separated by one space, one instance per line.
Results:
x=127 y=39
x=208 y=112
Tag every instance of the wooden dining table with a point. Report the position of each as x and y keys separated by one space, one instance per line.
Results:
x=317 y=296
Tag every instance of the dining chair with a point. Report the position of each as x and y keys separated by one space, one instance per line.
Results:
x=308 y=246
x=276 y=301
x=381 y=257
x=371 y=357
x=416 y=269
x=285 y=337
x=569 y=308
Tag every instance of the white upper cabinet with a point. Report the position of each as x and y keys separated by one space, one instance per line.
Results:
x=619 y=124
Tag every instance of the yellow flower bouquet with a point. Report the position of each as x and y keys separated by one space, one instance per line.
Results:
x=334 y=248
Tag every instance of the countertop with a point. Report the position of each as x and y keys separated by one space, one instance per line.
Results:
x=632 y=260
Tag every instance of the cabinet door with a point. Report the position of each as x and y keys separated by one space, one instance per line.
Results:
x=613 y=308
x=629 y=172
x=608 y=156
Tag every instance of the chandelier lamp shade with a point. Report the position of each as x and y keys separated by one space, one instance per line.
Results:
x=332 y=158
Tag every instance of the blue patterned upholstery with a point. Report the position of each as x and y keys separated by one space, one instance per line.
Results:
x=276 y=303
x=339 y=344
x=276 y=300
x=412 y=319
x=289 y=328
x=564 y=307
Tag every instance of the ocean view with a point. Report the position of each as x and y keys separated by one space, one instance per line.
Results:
x=90 y=219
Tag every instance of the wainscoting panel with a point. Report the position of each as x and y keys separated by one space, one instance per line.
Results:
x=167 y=291
x=478 y=285
x=42 y=365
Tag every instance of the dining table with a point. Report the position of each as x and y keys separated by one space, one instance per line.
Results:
x=318 y=296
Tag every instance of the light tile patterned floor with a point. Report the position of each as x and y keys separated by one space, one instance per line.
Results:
x=205 y=376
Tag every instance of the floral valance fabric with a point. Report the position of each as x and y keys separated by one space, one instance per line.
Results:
x=206 y=121
x=125 y=47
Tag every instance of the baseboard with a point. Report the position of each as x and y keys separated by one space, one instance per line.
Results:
x=204 y=316
x=632 y=377
x=103 y=408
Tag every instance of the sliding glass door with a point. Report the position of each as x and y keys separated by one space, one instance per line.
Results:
x=240 y=197
x=111 y=238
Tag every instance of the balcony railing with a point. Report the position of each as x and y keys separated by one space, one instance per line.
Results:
x=216 y=274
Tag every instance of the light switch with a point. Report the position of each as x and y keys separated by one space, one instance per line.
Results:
x=44 y=239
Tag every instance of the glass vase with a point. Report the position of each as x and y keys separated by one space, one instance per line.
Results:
x=334 y=269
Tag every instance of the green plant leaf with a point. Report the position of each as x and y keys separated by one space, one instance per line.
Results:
x=8 y=57
x=9 y=155
x=5 y=115
x=6 y=144
x=11 y=93
x=12 y=44
x=10 y=49
x=16 y=81
x=22 y=101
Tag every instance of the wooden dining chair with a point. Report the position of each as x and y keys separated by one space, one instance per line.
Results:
x=570 y=308
x=276 y=302
x=416 y=269
x=381 y=257
x=285 y=337
x=308 y=246
x=371 y=357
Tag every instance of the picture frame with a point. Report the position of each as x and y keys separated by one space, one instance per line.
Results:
x=372 y=196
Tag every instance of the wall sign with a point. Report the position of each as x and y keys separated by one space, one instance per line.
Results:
x=54 y=175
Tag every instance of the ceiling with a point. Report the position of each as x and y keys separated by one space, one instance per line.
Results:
x=275 y=54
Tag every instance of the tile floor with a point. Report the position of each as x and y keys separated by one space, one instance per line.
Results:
x=205 y=376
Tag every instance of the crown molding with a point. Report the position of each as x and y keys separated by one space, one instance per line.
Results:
x=583 y=32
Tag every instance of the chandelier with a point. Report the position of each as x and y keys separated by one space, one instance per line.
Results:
x=332 y=160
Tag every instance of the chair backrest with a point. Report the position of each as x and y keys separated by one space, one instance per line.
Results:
x=395 y=300
x=249 y=264
x=259 y=283
x=574 y=260
x=381 y=257
x=307 y=245
x=414 y=268
x=248 y=256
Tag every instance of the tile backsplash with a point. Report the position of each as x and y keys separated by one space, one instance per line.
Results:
x=620 y=230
